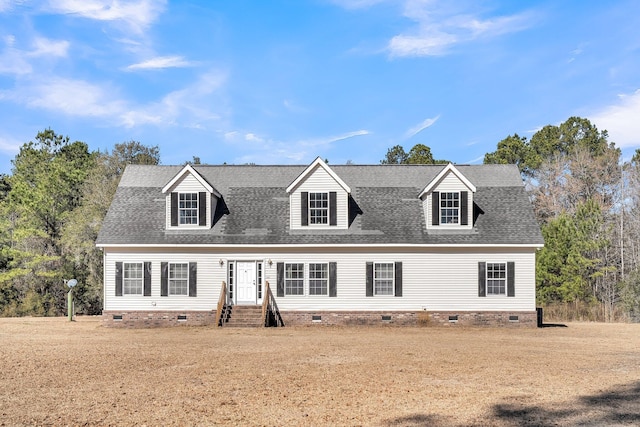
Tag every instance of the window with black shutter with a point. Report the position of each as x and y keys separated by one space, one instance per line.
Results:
x=384 y=278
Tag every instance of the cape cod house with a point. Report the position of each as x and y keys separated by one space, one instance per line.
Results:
x=320 y=244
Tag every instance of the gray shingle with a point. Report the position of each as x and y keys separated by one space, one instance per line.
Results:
x=258 y=207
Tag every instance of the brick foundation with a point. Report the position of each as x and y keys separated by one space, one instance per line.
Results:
x=411 y=318
x=527 y=319
x=155 y=319
x=371 y=318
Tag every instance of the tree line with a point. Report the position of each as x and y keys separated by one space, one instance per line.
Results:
x=585 y=197
x=51 y=209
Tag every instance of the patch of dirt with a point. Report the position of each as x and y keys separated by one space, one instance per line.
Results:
x=56 y=372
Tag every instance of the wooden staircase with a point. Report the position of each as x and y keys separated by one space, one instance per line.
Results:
x=243 y=316
x=248 y=316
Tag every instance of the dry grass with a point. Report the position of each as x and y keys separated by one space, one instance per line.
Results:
x=59 y=373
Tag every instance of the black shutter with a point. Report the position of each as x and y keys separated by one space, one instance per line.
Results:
x=511 y=282
x=464 y=210
x=482 y=278
x=304 y=208
x=202 y=208
x=164 y=279
x=333 y=291
x=280 y=279
x=435 y=208
x=118 y=279
x=333 y=209
x=147 y=279
x=369 y=279
x=398 y=267
x=174 y=209
x=193 y=279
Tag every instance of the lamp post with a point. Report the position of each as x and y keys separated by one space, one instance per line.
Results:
x=71 y=283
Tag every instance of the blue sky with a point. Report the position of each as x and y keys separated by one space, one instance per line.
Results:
x=273 y=82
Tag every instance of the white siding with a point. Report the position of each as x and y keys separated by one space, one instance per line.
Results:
x=449 y=183
x=188 y=184
x=433 y=279
x=319 y=181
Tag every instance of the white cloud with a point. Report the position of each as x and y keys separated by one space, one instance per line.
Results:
x=278 y=152
x=46 y=47
x=185 y=107
x=474 y=161
x=621 y=120
x=440 y=26
x=19 y=62
x=70 y=97
x=161 y=62
x=324 y=141
x=188 y=107
x=9 y=145
x=356 y=4
x=137 y=15
x=421 y=126
x=252 y=137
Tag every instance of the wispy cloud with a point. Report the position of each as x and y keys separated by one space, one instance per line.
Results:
x=75 y=98
x=136 y=15
x=14 y=60
x=267 y=150
x=9 y=145
x=324 y=141
x=474 y=161
x=188 y=107
x=440 y=26
x=621 y=120
x=46 y=47
x=421 y=126
x=356 y=4
x=161 y=62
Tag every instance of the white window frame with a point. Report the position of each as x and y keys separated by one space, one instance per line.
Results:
x=260 y=279
x=443 y=208
x=230 y=279
x=192 y=211
x=289 y=281
x=314 y=281
x=173 y=280
x=377 y=280
x=318 y=215
x=128 y=281
x=503 y=268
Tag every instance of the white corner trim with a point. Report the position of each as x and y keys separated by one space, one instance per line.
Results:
x=189 y=169
x=317 y=162
x=449 y=168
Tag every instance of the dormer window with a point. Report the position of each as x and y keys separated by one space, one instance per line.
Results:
x=318 y=199
x=448 y=201
x=190 y=200
x=188 y=208
x=318 y=208
x=450 y=208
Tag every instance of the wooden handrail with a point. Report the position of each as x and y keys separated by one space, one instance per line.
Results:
x=269 y=306
x=265 y=302
x=221 y=302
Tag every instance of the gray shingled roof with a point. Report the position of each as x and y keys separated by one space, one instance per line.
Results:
x=258 y=206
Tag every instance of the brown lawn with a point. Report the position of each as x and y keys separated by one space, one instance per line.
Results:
x=56 y=372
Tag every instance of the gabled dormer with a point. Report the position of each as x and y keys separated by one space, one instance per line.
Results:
x=448 y=201
x=190 y=201
x=318 y=199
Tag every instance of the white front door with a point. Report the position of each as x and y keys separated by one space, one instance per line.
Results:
x=245 y=282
